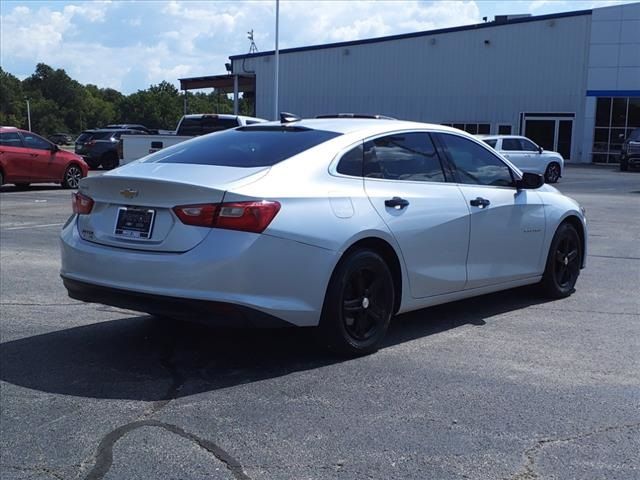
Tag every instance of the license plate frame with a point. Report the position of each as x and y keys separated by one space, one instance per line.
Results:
x=135 y=223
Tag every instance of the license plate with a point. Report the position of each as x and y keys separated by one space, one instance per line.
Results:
x=135 y=223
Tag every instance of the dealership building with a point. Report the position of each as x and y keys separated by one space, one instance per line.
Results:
x=569 y=81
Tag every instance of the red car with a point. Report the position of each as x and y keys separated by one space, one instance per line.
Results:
x=27 y=158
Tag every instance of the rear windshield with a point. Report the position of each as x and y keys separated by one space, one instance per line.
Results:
x=193 y=126
x=84 y=136
x=243 y=147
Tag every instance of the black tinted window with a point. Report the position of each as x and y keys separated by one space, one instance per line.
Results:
x=635 y=135
x=203 y=125
x=405 y=156
x=351 y=162
x=34 y=141
x=528 y=145
x=10 y=139
x=244 y=147
x=511 y=144
x=491 y=143
x=475 y=164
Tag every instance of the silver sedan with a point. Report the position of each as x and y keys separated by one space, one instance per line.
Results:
x=338 y=223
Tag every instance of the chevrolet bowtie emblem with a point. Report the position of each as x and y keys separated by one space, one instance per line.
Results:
x=129 y=193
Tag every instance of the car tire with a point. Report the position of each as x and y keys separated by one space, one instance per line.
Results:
x=563 y=263
x=358 y=305
x=624 y=165
x=110 y=161
x=552 y=174
x=72 y=176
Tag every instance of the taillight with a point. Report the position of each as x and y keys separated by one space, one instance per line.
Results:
x=81 y=203
x=244 y=216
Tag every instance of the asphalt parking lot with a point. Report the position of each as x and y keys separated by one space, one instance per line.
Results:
x=505 y=386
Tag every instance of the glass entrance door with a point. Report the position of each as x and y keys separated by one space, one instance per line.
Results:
x=550 y=133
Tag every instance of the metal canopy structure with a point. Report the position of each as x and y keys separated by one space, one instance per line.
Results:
x=222 y=83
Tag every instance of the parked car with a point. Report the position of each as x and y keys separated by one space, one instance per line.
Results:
x=336 y=223
x=61 y=138
x=27 y=158
x=100 y=146
x=630 y=154
x=528 y=156
x=189 y=126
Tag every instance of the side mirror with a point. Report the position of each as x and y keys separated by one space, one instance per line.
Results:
x=55 y=148
x=540 y=149
x=530 y=181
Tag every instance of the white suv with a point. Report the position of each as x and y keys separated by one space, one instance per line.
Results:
x=527 y=156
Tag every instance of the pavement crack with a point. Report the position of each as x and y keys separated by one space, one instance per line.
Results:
x=177 y=379
x=104 y=456
x=45 y=470
x=529 y=472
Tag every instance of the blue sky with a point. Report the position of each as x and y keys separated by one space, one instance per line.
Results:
x=129 y=45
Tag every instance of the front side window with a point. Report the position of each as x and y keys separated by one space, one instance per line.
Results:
x=32 y=140
x=511 y=144
x=528 y=145
x=403 y=156
x=491 y=143
x=10 y=139
x=475 y=164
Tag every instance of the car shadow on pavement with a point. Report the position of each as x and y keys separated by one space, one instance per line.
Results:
x=150 y=359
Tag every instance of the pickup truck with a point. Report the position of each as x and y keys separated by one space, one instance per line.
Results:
x=189 y=126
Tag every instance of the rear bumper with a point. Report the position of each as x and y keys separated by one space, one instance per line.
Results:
x=212 y=313
x=280 y=278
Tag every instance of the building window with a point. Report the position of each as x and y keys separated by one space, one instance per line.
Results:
x=504 y=129
x=472 y=128
x=615 y=118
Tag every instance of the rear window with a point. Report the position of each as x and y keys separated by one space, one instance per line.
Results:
x=84 y=136
x=244 y=147
x=203 y=125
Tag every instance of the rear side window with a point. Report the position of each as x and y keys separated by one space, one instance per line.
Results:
x=203 y=125
x=351 y=162
x=10 y=139
x=244 y=147
x=404 y=156
x=474 y=164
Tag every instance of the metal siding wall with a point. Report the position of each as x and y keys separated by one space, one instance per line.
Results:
x=534 y=66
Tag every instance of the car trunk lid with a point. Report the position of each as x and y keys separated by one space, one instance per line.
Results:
x=133 y=205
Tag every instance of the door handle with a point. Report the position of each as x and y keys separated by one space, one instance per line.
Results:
x=480 y=202
x=397 y=203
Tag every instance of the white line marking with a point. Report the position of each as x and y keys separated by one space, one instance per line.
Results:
x=35 y=226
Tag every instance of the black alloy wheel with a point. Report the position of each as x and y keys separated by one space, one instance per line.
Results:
x=72 y=176
x=563 y=262
x=358 y=304
x=552 y=173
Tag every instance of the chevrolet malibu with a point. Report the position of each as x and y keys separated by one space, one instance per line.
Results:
x=338 y=223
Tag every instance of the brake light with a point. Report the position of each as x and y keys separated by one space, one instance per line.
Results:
x=244 y=216
x=81 y=204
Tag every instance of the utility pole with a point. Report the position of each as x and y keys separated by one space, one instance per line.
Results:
x=28 y=113
x=277 y=63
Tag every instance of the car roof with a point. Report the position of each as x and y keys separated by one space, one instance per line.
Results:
x=8 y=129
x=496 y=137
x=368 y=126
